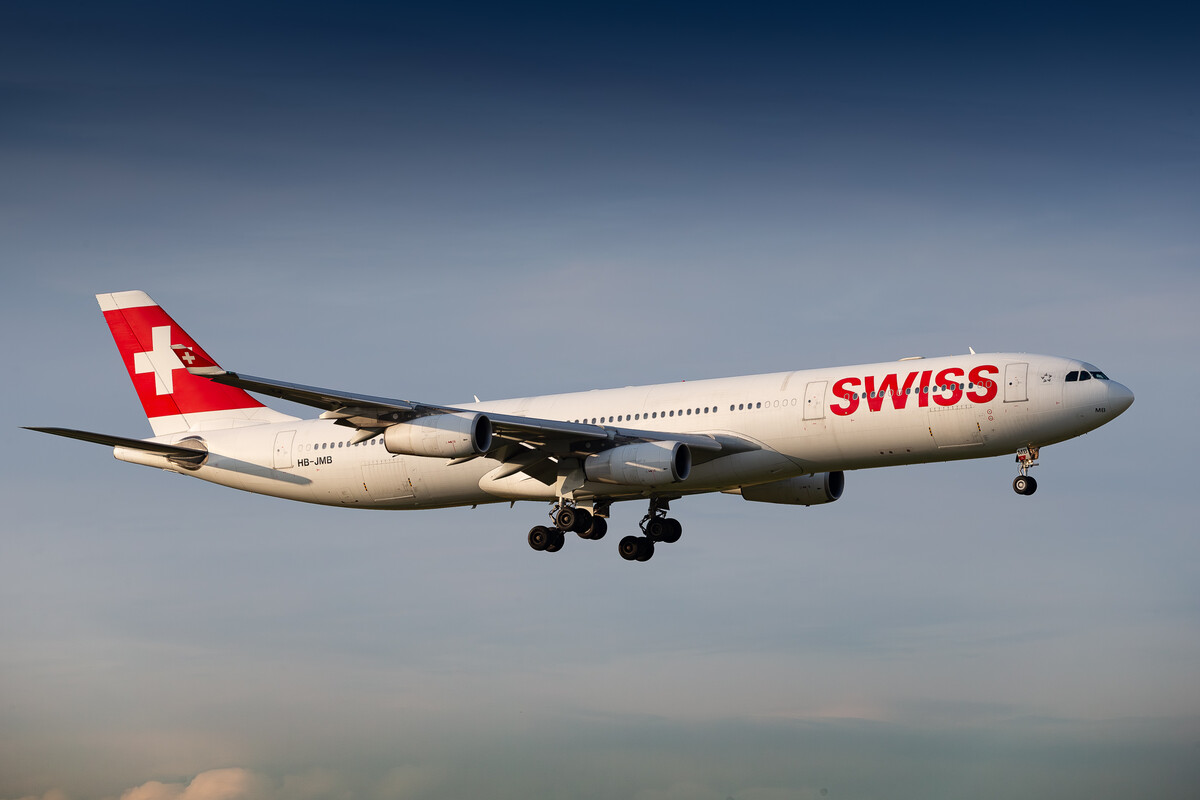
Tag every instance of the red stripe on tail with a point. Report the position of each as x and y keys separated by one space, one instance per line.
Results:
x=147 y=337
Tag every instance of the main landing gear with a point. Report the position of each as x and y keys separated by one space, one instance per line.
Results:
x=1024 y=483
x=656 y=527
x=567 y=518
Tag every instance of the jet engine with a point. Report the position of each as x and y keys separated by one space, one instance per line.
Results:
x=644 y=464
x=804 y=490
x=440 y=436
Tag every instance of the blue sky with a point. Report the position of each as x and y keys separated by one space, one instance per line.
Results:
x=435 y=203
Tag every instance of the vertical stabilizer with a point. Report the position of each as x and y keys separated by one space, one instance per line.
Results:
x=174 y=401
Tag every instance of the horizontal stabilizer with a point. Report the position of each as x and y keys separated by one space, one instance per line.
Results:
x=173 y=451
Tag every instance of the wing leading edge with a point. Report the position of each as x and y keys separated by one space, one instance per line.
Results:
x=371 y=415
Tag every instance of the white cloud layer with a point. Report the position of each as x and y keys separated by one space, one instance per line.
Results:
x=217 y=784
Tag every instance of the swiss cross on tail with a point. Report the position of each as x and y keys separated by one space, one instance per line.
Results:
x=157 y=353
x=159 y=360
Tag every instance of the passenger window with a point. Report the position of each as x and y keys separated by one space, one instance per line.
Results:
x=672 y=413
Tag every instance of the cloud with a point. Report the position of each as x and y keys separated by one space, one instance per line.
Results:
x=231 y=783
x=155 y=790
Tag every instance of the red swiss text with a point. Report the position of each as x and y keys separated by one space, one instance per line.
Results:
x=945 y=388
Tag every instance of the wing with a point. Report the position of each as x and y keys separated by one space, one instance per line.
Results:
x=514 y=436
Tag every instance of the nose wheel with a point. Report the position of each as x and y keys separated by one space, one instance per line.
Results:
x=1026 y=459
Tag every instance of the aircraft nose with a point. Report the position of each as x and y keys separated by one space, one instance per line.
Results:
x=1119 y=396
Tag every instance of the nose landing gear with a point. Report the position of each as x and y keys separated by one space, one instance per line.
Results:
x=1024 y=483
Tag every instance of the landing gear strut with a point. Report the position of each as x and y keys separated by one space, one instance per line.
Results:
x=1024 y=483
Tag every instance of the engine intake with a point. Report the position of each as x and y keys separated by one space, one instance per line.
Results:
x=644 y=464
x=804 y=490
x=440 y=436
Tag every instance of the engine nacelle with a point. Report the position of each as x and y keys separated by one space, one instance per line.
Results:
x=644 y=464
x=440 y=436
x=804 y=490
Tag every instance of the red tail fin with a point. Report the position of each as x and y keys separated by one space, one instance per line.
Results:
x=174 y=400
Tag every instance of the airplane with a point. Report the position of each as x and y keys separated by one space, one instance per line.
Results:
x=786 y=437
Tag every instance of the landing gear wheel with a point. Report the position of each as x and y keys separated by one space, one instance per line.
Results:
x=583 y=521
x=629 y=547
x=674 y=531
x=539 y=537
x=657 y=529
x=557 y=539
x=565 y=518
x=1023 y=484
x=645 y=549
x=597 y=531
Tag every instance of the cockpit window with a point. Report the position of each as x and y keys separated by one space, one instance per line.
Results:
x=1100 y=376
x=1072 y=376
x=1084 y=375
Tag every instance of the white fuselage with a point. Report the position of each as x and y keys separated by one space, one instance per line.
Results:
x=803 y=422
